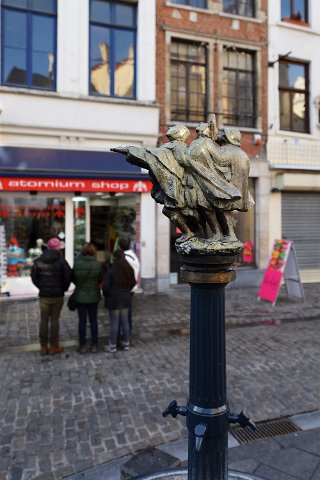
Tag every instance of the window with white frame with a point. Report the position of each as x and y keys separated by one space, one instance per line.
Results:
x=188 y=81
x=294 y=96
x=296 y=10
x=238 y=87
x=28 y=43
x=113 y=28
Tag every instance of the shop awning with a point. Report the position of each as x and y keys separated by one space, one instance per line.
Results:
x=43 y=162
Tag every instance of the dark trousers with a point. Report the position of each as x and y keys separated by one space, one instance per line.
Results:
x=50 y=308
x=91 y=310
x=120 y=332
x=130 y=313
x=119 y=318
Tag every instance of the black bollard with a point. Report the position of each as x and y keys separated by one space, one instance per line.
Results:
x=207 y=412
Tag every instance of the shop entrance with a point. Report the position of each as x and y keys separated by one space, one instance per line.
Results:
x=114 y=216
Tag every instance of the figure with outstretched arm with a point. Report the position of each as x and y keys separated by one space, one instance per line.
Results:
x=166 y=165
x=197 y=184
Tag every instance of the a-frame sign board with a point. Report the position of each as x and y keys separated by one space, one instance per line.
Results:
x=282 y=265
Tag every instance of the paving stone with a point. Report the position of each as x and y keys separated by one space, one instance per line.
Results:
x=148 y=461
x=316 y=475
x=269 y=473
x=272 y=365
x=247 y=466
x=293 y=462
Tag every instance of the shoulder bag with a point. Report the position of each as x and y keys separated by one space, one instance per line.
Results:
x=72 y=303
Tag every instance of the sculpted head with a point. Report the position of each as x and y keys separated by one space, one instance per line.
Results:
x=178 y=132
x=233 y=135
x=203 y=130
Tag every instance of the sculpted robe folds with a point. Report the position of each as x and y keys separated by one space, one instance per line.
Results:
x=181 y=182
x=198 y=185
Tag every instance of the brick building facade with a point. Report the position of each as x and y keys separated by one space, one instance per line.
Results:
x=212 y=58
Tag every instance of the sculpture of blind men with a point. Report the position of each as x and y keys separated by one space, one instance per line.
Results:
x=198 y=185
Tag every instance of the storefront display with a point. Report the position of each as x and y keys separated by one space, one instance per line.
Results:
x=3 y=259
x=79 y=212
x=109 y=223
x=29 y=222
x=83 y=195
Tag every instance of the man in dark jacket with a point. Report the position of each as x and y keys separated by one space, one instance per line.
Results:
x=51 y=273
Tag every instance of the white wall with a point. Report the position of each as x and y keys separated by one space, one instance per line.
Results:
x=304 y=45
x=148 y=237
x=71 y=118
x=73 y=48
x=146 y=50
x=52 y=121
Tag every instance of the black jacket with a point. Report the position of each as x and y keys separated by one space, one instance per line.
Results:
x=115 y=296
x=51 y=273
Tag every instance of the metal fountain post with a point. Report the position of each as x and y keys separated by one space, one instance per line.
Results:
x=207 y=412
x=199 y=185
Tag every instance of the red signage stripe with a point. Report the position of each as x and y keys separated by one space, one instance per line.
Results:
x=17 y=184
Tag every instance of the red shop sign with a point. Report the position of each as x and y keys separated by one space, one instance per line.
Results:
x=17 y=184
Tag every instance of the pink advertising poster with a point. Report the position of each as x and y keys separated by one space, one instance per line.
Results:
x=270 y=285
x=273 y=275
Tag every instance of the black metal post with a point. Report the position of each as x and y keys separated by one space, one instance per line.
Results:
x=207 y=411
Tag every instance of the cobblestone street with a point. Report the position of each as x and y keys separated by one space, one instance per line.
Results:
x=63 y=414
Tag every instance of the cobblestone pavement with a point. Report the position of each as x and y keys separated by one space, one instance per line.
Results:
x=64 y=414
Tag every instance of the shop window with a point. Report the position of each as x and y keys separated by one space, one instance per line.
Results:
x=112 y=48
x=294 y=11
x=28 y=43
x=109 y=223
x=238 y=87
x=245 y=8
x=244 y=227
x=294 y=96
x=192 y=3
x=28 y=224
x=188 y=81
x=79 y=215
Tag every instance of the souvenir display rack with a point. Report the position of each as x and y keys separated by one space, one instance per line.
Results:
x=3 y=260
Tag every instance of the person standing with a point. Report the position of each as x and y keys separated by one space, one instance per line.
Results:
x=51 y=274
x=133 y=260
x=117 y=284
x=87 y=276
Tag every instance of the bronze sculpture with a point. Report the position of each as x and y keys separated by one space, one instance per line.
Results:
x=198 y=185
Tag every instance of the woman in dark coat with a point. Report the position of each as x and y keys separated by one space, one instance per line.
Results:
x=117 y=285
x=87 y=276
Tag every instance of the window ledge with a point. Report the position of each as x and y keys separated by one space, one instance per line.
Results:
x=195 y=124
x=188 y=7
x=70 y=96
x=212 y=12
x=300 y=23
x=28 y=91
x=289 y=133
x=297 y=26
x=245 y=129
x=240 y=17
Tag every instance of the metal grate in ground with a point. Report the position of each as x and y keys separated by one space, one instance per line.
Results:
x=264 y=430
